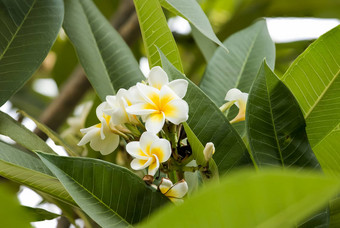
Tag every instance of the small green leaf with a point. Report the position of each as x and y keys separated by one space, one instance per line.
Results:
x=206 y=46
x=28 y=30
x=197 y=153
x=192 y=12
x=111 y=195
x=39 y=214
x=210 y=125
x=108 y=62
x=238 y=68
x=156 y=33
x=314 y=80
x=268 y=198
x=20 y=134
x=25 y=168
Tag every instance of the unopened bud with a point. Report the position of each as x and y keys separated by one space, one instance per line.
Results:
x=208 y=151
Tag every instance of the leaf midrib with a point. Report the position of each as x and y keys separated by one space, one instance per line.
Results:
x=18 y=29
x=94 y=196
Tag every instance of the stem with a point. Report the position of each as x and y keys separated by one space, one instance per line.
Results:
x=172 y=175
x=226 y=106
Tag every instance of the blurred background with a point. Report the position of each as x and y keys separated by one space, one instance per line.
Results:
x=59 y=89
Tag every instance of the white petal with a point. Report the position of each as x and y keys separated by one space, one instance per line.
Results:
x=179 y=86
x=153 y=167
x=157 y=77
x=162 y=149
x=138 y=164
x=133 y=96
x=165 y=185
x=178 y=190
x=146 y=139
x=112 y=101
x=109 y=144
x=140 y=109
x=85 y=130
x=100 y=108
x=134 y=149
x=93 y=132
x=236 y=95
x=149 y=93
x=176 y=111
x=155 y=122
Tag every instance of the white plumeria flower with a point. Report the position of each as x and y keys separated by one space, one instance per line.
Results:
x=158 y=106
x=150 y=151
x=100 y=136
x=175 y=192
x=118 y=105
x=157 y=78
x=235 y=96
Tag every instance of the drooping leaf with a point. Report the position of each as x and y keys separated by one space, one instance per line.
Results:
x=12 y=214
x=314 y=80
x=156 y=33
x=28 y=170
x=192 y=12
x=28 y=31
x=52 y=134
x=275 y=124
x=108 y=62
x=238 y=68
x=111 y=195
x=276 y=129
x=197 y=152
x=39 y=214
x=269 y=198
x=206 y=46
x=20 y=134
x=210 y=125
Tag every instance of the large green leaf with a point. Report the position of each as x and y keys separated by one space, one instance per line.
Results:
x=39 y=214
x=108 y=62
x=12 y=214
x=156 y=33
x=275 y=124
x=191 y=11
x=210 y=125
x=111 y=195
x=266 y=199
x=20 y=134
x=27 y=169
x=314 y=80
x=238 y=68
x=276 y=129
x=28 y=30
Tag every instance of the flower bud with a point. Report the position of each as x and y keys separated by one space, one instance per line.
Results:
x=208 y=151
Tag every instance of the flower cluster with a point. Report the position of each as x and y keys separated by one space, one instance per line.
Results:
x=143 y=115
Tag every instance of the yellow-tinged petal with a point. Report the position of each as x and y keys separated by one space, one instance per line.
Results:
x=134 y=149
x=138 y=164
x=161 y=149
x=178 y=190
x=176 y=111
x=240 y=100
x=145 y=142
x=155 y=122
x=157 y=77
x=153 y=167
x=165 y=185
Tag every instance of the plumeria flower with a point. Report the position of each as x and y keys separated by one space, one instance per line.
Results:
x=175 y=192
x=235 y=96
x=150 y=151
x=119 y=103
x=157 y=78
x=101 y=136
x=158 y=106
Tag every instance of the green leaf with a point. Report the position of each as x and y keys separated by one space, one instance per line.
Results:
x=205 y=45
x=276 y=129
x=12 y=214
x=111 y=195
x=21 y=134
x=156 y=33
x=25 y=168
x=238 y=68
x=314 y=80
x=108 y=62
x=197 y=152
x=335 y=213
x=52 y=134
x=28 y=29
x=275 y=124
x=210 y=125
x=192 y=12
x=39 y=214
x=268 y=198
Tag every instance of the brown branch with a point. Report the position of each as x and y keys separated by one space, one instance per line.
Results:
x=125 y=21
